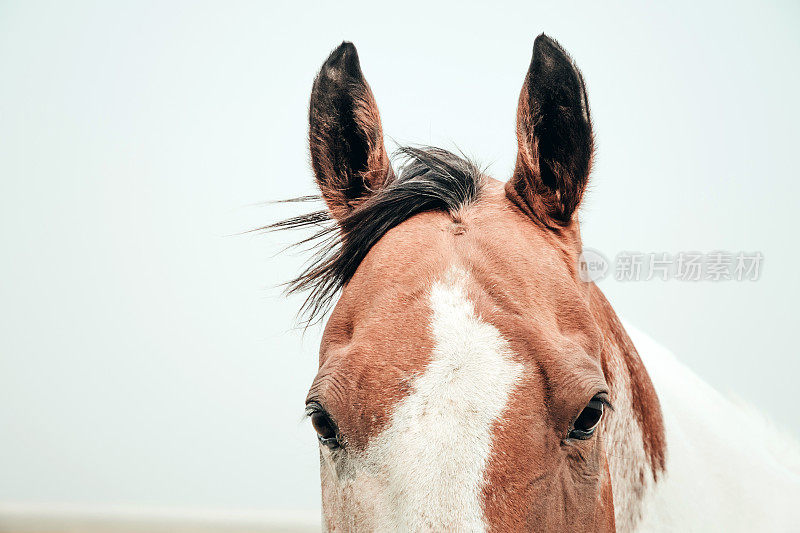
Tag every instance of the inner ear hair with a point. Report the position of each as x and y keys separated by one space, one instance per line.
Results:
x=554 y=136
x=345 y=136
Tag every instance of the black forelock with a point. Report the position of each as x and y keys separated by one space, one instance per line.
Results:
x=429 y=179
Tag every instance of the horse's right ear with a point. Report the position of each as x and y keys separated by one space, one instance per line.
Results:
x=554 y=133
x=347 y=152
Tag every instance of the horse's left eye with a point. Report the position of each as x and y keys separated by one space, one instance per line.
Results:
x=587 y=421
x=324 y=426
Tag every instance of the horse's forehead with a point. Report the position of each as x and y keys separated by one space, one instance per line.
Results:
x=502 y=250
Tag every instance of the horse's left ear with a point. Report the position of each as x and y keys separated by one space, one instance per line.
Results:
x=554 y=134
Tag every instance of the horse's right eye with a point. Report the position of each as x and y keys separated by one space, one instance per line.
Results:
x=324 y=426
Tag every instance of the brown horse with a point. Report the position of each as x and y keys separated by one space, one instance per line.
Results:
x=468 y=378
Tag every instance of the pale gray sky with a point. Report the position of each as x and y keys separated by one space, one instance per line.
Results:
x=145 y=356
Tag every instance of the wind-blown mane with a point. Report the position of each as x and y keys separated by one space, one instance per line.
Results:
x=429 y=179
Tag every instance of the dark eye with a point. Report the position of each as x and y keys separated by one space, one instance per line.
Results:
x=323 y=425
x=584 y=426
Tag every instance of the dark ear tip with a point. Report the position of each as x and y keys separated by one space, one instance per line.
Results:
x=344 y=57
x=546 y=45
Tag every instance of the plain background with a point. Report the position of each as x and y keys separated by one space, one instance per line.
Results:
x=146 y=355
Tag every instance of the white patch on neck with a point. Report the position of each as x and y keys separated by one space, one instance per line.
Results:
x=431 y=459
x=728 y=468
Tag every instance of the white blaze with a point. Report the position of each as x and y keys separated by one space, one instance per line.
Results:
x=434 y=452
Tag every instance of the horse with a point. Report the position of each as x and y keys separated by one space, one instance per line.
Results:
x=469 y=378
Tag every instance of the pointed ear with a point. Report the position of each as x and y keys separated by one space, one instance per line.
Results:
x=347 y=152
x=554 y=134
